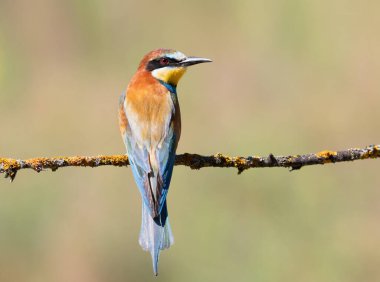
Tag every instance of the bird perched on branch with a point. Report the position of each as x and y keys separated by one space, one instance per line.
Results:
x=150 y=125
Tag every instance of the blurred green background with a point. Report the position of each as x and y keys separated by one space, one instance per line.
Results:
x=288 y=77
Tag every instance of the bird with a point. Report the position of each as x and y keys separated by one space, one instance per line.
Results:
x=150 y=126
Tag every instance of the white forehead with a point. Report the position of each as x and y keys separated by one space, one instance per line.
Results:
x=176 y=56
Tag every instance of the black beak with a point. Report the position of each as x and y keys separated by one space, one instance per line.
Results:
x=189 y=61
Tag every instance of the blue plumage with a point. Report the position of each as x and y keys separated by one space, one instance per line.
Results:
x=150 y=124
x=155 y=233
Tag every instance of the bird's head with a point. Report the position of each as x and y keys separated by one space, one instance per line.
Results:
x=168 y=65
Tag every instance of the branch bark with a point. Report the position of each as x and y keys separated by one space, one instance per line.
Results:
x=10 y=167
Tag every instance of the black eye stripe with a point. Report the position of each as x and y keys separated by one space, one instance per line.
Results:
x=156 y=63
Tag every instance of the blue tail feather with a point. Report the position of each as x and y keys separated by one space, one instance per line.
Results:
x=155 y=234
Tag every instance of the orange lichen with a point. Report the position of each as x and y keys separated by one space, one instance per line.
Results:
x=371 y=152
x=8 y=164
x=375 y=152
x=326 y=155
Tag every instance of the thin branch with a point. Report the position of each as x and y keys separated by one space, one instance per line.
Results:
x=10 y=167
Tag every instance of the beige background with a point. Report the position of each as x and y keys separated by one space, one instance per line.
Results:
x=288 y=77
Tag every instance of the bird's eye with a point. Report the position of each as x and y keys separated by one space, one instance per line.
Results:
x=164 y=61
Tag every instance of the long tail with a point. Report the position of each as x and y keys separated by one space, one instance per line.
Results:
x=155 y=234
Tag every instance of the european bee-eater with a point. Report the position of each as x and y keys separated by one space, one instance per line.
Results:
x=150 y=125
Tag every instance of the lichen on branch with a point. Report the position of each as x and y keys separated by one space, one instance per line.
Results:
x=10 y=167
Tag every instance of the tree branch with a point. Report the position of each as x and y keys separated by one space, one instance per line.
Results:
x=10 y=167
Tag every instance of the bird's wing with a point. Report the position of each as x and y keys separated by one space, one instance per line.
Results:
x=165 y=155
x=139 y=160
x=152 y=173
x=137 y=154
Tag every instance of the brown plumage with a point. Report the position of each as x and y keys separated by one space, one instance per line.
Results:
x=150 y=124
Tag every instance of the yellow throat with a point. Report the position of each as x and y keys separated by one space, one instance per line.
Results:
x=170 y=75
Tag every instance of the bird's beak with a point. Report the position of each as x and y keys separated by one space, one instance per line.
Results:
x=189 y=61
